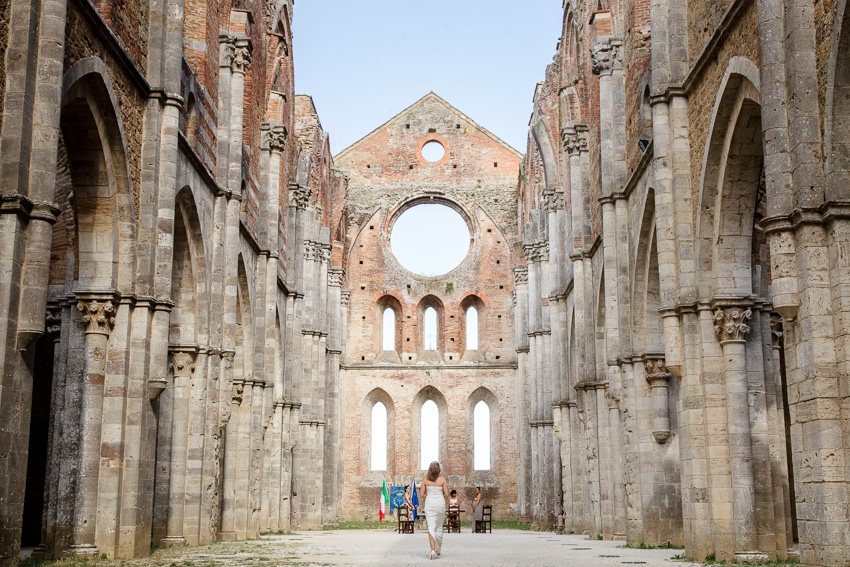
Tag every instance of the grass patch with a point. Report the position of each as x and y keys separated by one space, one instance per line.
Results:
x=710 y=559
x=643 y=545
x=388 y=525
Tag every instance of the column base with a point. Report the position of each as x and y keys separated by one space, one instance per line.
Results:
x=39 y=552
x=620 y=537
x=226 y=536
x=82 y=550
x=751 y=556
x=173 y=541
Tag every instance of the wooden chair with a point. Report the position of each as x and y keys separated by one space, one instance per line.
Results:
x=453 y=520
x=405 y=520
x=487 y=519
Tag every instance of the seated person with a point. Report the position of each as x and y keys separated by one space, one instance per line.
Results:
x=408 y=503
x=453 y=499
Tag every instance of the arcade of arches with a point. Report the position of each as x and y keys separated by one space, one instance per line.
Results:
x=206 y=335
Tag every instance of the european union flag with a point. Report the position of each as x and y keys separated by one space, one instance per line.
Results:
x=415 y=500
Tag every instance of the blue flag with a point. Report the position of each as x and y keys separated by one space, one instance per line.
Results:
x=415 y=500
x=396 y=497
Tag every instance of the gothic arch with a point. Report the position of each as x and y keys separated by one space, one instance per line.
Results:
x=837 y=112
x=97 y=157
x=732 y=165
x=373 y=397
x=425 y=394
x=433 y=302
x=646 y=321
x=543 y=141
x=484 y=394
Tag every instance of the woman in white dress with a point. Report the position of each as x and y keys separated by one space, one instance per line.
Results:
x=435 y=492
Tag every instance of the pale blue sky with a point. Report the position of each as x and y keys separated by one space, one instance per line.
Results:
x=430 y=240
x=365 y=61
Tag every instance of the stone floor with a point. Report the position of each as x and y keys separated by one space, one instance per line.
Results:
x=382 y=548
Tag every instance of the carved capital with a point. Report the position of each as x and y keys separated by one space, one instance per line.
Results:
x=537 y=252
x=241 y=59
x=554 y=201
x=237 y=391
x=183 y=364
x=335 y=276
x=607 y=56
x=276 y=139
x=53 y=322
x=521 y=275
x=730 y=324
x=98 y=316
x=299 y=195
x=574 y=140
x=777 y=330
x=227 y=50
x=345 y=299
x=656 y=372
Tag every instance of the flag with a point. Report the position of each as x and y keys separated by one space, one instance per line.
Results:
x=384 y=504
x=415 y=501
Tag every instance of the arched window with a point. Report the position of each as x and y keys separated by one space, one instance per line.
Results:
x=472 y=329
x=389 y=329
x=431 y=329
x=481 y=437
x=379 y=438
x=429 y=449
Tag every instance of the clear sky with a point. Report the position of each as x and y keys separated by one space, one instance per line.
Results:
x=430 y=240
x=364 y=61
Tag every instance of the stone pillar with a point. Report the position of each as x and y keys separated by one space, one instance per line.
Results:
x=658 y=378
x=523 y=395
x=99 y=318
x=731 y=328
x=183 y=368
x=333 y=400
x=781 y=461
x=229 y=480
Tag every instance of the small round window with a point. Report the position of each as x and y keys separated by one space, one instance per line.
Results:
x=430 y=239
x=433 y=151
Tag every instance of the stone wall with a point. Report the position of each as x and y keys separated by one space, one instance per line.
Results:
x=184 y=306
x=476 y=177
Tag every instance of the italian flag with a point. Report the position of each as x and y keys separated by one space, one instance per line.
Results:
x=384 y=503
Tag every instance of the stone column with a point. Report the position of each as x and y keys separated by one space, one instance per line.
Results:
x=777 y=336
x=658 y=378
x=182 y=367
x=731 y=328
x=229 y=481
x=99 y=318
x=523 y=397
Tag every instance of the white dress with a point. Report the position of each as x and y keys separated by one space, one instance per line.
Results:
x=435 y=514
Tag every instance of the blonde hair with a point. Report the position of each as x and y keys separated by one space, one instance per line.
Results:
x=433 y=471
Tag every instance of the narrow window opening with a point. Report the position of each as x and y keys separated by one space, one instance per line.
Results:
x=430 y=329
x=389 y=329
x=481 y=437
x=429 y=442
x=432 y=130
x=407 y=126
x=495 y=164
x=472 y=328
x=379 y=437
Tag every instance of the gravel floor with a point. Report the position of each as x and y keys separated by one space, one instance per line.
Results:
x=504 y=547
x=380 y=548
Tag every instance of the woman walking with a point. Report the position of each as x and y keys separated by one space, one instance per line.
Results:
x=435 y=491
